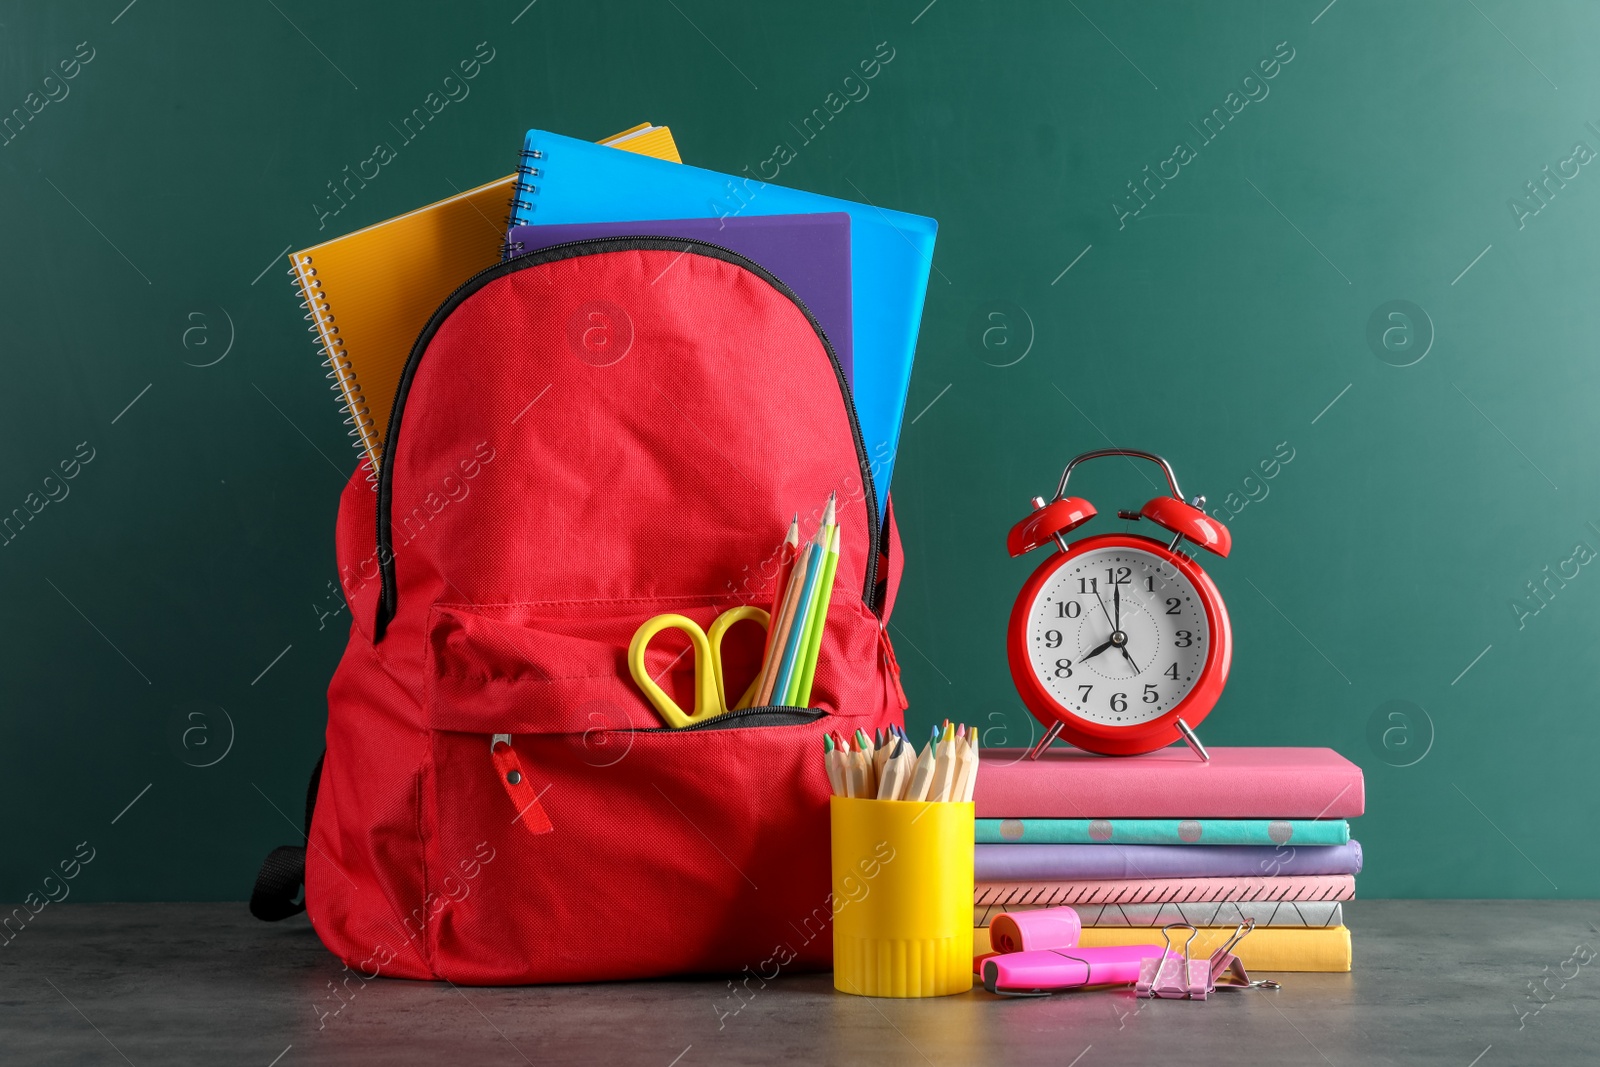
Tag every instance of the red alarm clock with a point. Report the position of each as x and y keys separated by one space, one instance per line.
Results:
x=1119 y=643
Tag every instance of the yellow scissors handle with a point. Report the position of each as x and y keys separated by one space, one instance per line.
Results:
x=709 y=697
x=719 y=626
x=705 y=681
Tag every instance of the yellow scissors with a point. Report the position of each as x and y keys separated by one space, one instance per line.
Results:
x=710 y=699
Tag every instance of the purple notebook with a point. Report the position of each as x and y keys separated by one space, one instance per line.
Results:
x=808 y=253
x=1072 y=863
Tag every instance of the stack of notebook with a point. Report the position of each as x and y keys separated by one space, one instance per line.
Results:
x=860 y=269
x=1136 y=843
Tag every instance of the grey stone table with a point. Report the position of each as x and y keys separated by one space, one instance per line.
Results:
x=1450 y=982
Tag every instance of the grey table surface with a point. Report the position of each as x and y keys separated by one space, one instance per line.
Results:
x=1481 y=983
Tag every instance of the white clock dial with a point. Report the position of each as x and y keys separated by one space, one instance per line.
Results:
x=1118 y=675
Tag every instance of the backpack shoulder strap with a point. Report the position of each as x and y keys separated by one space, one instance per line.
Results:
x=282 y=876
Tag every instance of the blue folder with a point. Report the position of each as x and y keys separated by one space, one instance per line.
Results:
x=564 y=180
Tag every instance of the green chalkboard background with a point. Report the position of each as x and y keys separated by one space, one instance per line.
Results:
x=176 y=606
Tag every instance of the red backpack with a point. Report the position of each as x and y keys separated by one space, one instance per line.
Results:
x=583 y=438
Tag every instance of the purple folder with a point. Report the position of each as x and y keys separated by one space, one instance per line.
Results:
x=1073 y=863
x=808 y=253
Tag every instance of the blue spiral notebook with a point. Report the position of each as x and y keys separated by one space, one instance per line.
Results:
x=564 y=180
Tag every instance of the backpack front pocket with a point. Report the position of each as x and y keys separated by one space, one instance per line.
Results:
x=669 y=850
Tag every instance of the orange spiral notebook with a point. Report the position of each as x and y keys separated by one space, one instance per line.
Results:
x=369 y=293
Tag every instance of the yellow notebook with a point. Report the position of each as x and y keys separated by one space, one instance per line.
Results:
x=1266 y=948
x=368 y=294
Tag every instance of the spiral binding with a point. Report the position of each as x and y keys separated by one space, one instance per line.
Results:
x=526 y=171
x=340 y=370
x=522 y=194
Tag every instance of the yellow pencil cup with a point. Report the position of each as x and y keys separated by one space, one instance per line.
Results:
x=902 y=897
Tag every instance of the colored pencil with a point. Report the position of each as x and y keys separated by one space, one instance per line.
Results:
x=881 y=753
x=819 y=621
x=860 y=774
x=972 y=776
x=966 y=761
x=780 y=583
x=944 y=766
x=892 y=782
x=908 y=767
x=793 y=639
x=908 y=764
x=922 y=775
x=869 y=771
x=830 y=759
x=827 y=536
x=779 y=630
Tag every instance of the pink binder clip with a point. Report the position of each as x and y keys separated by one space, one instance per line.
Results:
x=1227 y=971
x=1174 y=976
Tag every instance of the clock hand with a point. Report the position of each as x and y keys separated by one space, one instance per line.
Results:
x=1096 y=652
x=1103 y=607
x=1129 y=658
x=1116 y=598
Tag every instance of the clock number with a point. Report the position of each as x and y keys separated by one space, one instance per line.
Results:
x=1172 y=605
x=1052 y=639
x=1063 y=668
x=1119 y=575
x=1119 y=701
x=1068 y=609
x=1150 y=694
x=1185 y=639
x=1172 y=672
x=1087 y=585
x=1150 y=583
x=1085 y=690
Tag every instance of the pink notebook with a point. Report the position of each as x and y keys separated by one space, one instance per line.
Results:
x=1238 y=783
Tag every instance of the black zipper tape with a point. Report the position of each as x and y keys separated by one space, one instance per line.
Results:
x=744 y=718
x=571 y=250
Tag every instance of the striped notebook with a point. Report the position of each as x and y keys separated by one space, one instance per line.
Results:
x=368 y=294
x=1165 y=890
x=1303 y=913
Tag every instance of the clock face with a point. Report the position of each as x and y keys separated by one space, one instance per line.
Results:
x=1118 y=636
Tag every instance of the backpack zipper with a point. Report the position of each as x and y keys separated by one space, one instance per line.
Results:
x=387 y=593
x=767 y=714
x=525 y=799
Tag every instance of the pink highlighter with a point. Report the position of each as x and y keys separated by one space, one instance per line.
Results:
x=1051 y=970
x=1036 y=954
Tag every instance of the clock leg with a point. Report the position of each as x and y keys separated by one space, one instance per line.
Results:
x=1044 y=742
x=1191 y=739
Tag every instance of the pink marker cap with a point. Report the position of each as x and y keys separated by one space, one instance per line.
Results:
x=1044 y=928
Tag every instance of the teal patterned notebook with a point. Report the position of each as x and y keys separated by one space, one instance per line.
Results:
x=1163 y=831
